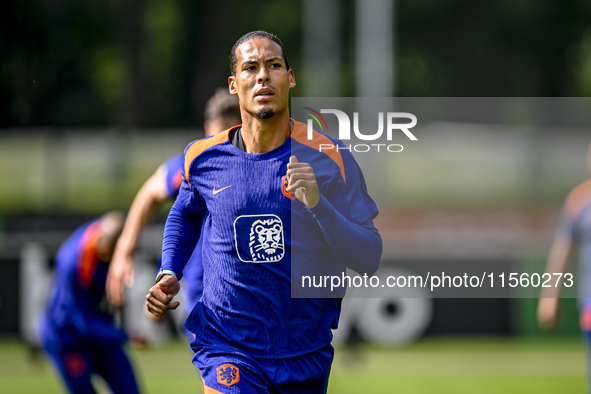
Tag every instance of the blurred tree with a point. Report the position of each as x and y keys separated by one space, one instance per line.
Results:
x=154 y=63
x=130 y=63
x=491 y=47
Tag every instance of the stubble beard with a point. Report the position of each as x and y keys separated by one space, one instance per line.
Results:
x=266 y=113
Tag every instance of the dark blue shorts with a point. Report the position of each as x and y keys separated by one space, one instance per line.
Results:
x=225 y=369
x=77 y=365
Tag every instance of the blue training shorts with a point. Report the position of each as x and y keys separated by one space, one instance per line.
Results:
x=77 y=364
x=228 y=370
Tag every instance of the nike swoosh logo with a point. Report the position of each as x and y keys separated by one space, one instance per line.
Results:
x=219 y=190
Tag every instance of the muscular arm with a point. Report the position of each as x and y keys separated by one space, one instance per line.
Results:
x=147 y=201
x=181 y=235
x=558 y=261
x=358 y=246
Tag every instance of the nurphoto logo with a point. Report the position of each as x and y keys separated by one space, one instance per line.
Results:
x=345 y=130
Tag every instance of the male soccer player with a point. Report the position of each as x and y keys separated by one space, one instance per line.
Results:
x=221 y=112
x=275 y=205
x=574 y=232
x=77 y=329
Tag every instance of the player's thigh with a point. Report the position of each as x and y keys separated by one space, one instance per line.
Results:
x=229 y=372
x=75 y=367
x=114 y=366
x=306 y=374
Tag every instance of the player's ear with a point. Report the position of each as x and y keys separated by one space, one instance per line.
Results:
x=292 y=82
x=232 y=85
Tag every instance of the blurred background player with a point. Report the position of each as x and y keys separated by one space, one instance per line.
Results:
x=222 y=111
x=77 y=330
x=574 y=232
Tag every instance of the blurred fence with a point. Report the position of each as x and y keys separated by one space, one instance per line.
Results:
x=453 y=165
x=80 y=170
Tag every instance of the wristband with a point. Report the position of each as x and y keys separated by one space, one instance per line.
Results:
x=161 y=273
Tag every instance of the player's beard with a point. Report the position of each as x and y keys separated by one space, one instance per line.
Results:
x=266 y=113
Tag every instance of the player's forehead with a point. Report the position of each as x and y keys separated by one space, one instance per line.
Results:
x=258 y=49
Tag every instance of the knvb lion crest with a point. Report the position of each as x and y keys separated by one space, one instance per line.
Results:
x=266 y=240
x=228 y=374
x=259 y=238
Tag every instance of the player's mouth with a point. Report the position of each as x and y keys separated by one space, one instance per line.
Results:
x=264 y=94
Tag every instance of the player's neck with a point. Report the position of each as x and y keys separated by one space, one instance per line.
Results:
x=264 y=135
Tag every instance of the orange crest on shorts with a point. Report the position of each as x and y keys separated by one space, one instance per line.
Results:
x=74 y=364
x=284 y=184
x=228 y=374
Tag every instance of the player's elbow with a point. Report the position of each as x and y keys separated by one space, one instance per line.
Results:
x=370 y=257
x=375 y=256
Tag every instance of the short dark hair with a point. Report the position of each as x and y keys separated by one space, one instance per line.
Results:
x=250 y=36
x=222 y=105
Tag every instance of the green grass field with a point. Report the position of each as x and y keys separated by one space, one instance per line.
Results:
x=444 y=365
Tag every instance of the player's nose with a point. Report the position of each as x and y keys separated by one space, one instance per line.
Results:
x=264 y=75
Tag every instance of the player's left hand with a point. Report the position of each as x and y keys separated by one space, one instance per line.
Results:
x=158 y=300
x=303 y=182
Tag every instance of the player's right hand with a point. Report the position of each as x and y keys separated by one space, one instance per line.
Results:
x=547 y=312
x=158 y=300
x=302 y=182
x=120 y=275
